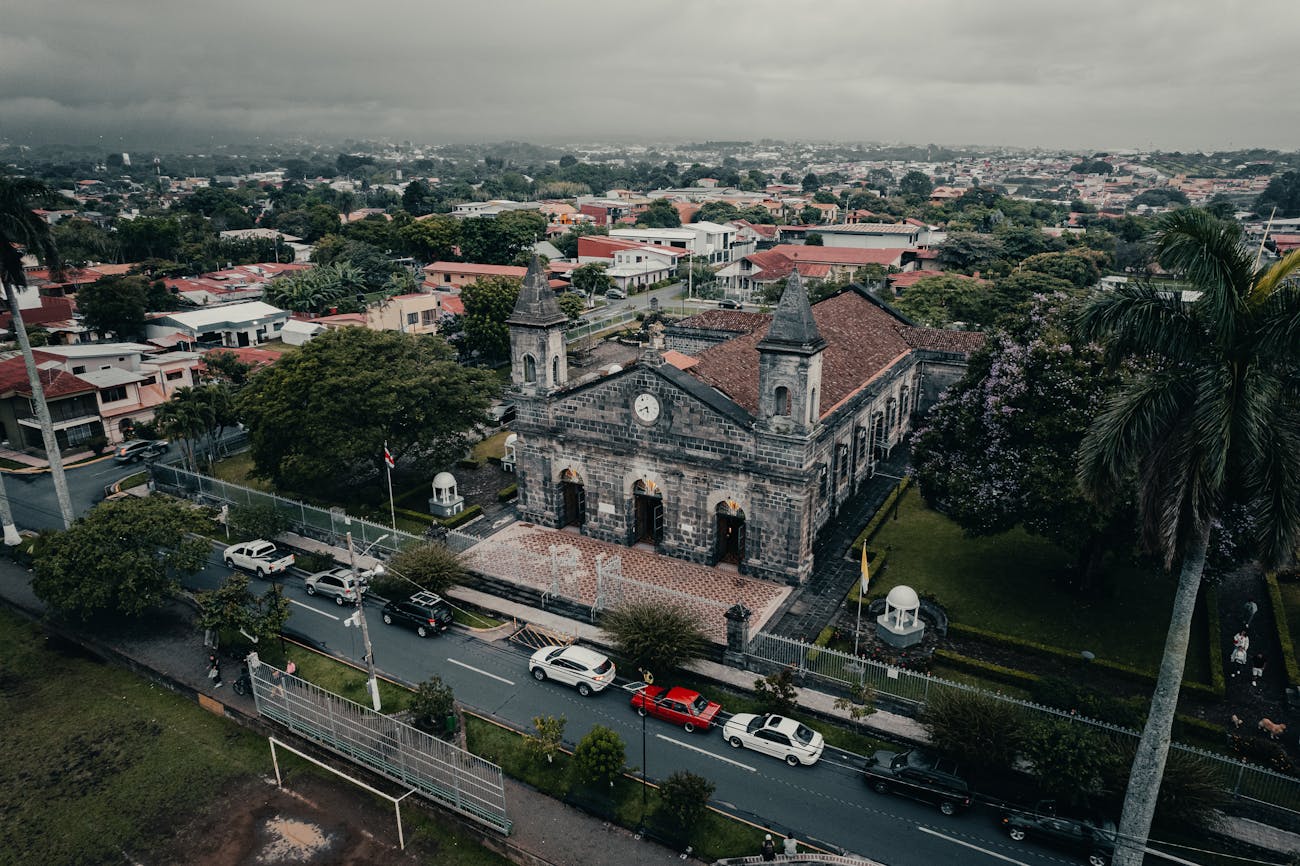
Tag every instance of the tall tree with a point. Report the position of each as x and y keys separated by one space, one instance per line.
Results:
x=115 y=305
x=489 y=301
x=1282 y=192
x=21 y=227
x=660 y=214
x=1209 y=416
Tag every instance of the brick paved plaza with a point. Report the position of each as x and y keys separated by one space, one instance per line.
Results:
x=521 y=553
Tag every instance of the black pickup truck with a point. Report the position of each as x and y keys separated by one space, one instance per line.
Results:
x=1079 y=831
x=921 y=776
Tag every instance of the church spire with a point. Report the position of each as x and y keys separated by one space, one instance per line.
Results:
x=536 y=305
x=793 y=328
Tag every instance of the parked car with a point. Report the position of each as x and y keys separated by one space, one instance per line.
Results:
x=1080 y=832
x=337 y=582
x=729 y=304
x=921 y=776
x=684 y=707
x=135 y=450
x=501 y=413
x=259 y=556
x=615 y=295
x=774 y=735
x=425 y=612
x=586 y=670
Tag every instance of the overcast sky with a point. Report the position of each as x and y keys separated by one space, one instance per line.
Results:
x=1170 y=74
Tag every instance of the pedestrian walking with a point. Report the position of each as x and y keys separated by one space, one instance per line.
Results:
x=1240 y=645
x=1257 y=663
x=1249 y=610
x=291 y=668
x=769 y=848
x=214 y=671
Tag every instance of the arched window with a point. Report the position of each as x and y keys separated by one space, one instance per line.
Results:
x=782 y=398
x=555 y=370
x=813 y=412
x=530 y=369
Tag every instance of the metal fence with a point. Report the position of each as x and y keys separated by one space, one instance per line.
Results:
x=587 y=329
x=325 y=524
x=1246 y=781
x=439 y=770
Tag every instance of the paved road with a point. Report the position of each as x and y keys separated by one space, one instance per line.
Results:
x=827 y=803
x=31 y=496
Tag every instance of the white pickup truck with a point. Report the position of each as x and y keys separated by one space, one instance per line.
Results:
x=261 y=557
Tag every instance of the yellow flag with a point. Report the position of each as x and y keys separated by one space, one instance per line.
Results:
x=866 y=573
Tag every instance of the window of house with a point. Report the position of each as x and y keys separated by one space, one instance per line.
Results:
x=428 y=317
x=782 y=398
x=112 y=395
x=446 y=278
x=412 y=318
x=81 y=368
x=173 y=375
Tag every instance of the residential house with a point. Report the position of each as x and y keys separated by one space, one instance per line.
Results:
x=707 y=240
x=231 y=325
x=870 y=235
x=454 y=276
x=746 y=278
x=72 y=402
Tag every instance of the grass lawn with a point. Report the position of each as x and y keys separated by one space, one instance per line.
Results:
x=237 y=468
x=341 y=679
x=1004 y=584
x=716 y=837
x=493 y=446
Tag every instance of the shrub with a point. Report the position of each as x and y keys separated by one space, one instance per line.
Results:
x=1190 y=791
x=461 y=519
x=684 y=797
x=258 y=521
x=505 y=494
x=548 y=739
x=145 y=430
x=432 y=703
x=978 y=730
x=314 y=562
x=878 y=520
x=1065 y=694
x=430 y=565
x=1264 y=753
x=600 y=757
x=1283 y=630
x=655 y=637
x=1069 y=759
x=776 y=693
x=97 y=443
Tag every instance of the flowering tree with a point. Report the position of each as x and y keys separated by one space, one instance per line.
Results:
x=999 y=449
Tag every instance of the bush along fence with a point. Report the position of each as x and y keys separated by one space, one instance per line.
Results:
x=1284 y=641
x=770 y=652
x=873 y=525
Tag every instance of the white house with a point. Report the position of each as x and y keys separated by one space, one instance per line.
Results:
x=230 y=325
x=871 y=236
x=708 y=240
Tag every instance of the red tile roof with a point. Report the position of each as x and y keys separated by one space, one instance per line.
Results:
x=54 y=381
x=50 y=310
x=839 y=255
x=863 y=340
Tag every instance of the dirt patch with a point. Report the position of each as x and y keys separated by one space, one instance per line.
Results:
x=310 y=821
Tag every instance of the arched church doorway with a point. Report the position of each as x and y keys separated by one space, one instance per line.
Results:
x=648 y=507
x=573 y=499
x=730 y=532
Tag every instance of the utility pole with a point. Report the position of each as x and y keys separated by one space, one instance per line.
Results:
x=372 y=683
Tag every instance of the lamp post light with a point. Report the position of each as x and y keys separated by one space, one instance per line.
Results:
x=372 y=683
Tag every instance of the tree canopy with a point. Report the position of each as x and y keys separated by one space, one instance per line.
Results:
x=1282 y=192
x=660 y=214
x=318 y=419
x=499 y=240
x=121 y=559
x=489 y=301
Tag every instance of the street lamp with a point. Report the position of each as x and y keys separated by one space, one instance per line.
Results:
x=372 y=684
x=647 y=680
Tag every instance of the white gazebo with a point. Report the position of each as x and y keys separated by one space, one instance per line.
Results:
x=511 y=454
x=900 y=625
x=445 y=500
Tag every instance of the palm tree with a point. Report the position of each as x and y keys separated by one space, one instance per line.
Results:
x=20 y=227
x=1208 y=415
x=184 y=419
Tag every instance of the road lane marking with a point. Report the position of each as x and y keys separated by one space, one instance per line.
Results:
x=972 y=847
x=313 y=610
x=707 y=752
x=481 y=671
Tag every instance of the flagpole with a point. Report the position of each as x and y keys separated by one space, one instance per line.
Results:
x=863 y=582
x=392 y=507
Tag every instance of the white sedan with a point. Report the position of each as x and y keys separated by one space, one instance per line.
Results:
x=778 y=736
x=586 y=670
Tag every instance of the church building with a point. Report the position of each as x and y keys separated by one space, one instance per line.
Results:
x=733 y=443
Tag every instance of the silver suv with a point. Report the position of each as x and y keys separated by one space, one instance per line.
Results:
x=337 y=582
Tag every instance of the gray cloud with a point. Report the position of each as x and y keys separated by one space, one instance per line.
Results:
x=1168 y=73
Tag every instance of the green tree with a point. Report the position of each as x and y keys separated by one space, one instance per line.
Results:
x=659 y=214
x=814 y=239
x=81 y=242
x=776 y=693
x=978 y=730
x=943 y=299
x=489 y=301
x=860 y=703
x=969 y=251
x=122 y=559
x=431 y=240
x=1190 y=793
x=431 y=566
x=233 y=608
x=591 y=279
x=715 y=211
x=114 y=305
x=548 y=739
x=684 y=799
x=809 y=215
x=1209 y=415
x=1079 y=268
x=259 y=521
x=810 y=182
x=148 y=238
x=225 y=366
x=599 y=758
x=567 y=243
x=572 y=305
x=1069 y=759
x=916 y=185
x=196 y=417
x=432 y=703
x=500 y=239
x=655 y=637
x=1282 y=192
x=319 y=417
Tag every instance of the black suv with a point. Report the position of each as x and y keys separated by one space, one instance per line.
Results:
x=135 y=450
x=425 y=612
x=1080 y=832
x=921 y=776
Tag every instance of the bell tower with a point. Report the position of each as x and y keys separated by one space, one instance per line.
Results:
x=790 y=365
x=537 y=350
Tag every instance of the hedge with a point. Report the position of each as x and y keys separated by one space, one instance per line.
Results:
x=461 y=519
x=422 y=516
x=1147 y=678
x=823 y=639
x=878 y=520
x=988 y=670
x=1283 y=629
x=1216 y=658
x=505 y=494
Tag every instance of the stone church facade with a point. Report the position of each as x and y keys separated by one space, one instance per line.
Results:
x=738 y=454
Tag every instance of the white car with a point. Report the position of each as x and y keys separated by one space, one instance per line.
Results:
x=338 y=582
x=778 y=736
x=259 y=556
x=586 y=670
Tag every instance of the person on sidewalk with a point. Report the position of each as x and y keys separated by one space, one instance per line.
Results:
x=790 y=846
x=1249 y=609
x=214 y=671
x=1257 y=663
x=768 y=850
x=1240 y=644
